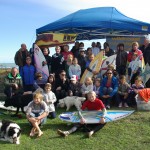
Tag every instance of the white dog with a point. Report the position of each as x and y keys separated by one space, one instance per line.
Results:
x=70 y=101
x=10 y=131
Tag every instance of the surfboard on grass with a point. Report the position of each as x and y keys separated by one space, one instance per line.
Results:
x=39 y=58
x=94 y=66
x=106 y=62
x=10 y=108
x=92 y=117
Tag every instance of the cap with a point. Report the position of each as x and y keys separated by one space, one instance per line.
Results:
x=74 y=77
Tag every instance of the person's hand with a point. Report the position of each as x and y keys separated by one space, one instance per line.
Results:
x=82 y=121
x=125 y=95
x=15 y=85
x=58 y=88
x=102 y=120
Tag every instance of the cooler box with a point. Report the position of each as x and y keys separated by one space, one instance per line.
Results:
x=142 y=105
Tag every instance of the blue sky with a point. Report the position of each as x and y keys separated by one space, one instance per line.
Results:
x=20 y=18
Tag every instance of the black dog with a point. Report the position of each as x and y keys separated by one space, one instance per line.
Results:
x=19 y=101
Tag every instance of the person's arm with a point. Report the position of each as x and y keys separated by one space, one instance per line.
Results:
x=82 y=120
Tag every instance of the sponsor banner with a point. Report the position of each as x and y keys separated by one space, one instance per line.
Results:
x=53 y=39
x=127 y=41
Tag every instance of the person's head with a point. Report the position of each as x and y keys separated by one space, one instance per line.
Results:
x=93 y=44
x=91 y=96
x=106 y=45
x=146 y=41
x=28 y=60
x=81 y=44
x=75 y=61
x=135 y=46
x=91 y=57
x=47 y=87
x=82 y=51
x=111 y=66
x=37 y=98
x=66 y=48
x=122 y=79
x=120 y=47
x=57 y=49
x=134 y=56
x=97 y=82
x=46 y=51
x=38 y=76
x=74 y=79
x=89 y=51
x=23 y=46
x=14 y=71
x=98 y=44
x=88 y=81
x=70 y=57
x=109 y=73
x=51 y=78
x=138 y=80
x=76 y=44
x=62 y=74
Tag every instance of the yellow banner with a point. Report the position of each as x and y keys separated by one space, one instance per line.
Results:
x=54 y=39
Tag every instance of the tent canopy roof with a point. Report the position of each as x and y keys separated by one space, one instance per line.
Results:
x=97 y=23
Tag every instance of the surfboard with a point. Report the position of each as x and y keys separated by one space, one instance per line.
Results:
x=92 y=117
x=94 y=66
x=106 y=62
x=38 y=59
x=146 y=74
x=10 y=108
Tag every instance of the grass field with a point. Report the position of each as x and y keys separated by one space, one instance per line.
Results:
x=130 y=133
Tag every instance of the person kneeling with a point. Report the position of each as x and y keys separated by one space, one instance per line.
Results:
x=92 y=104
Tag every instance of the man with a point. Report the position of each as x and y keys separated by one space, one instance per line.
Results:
x=13 y=83
x=20 y=56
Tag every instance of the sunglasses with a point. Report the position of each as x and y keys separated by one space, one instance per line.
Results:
x=63 y=74
x=109 y=73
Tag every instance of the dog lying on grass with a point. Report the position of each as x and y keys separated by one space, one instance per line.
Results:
x=69 y=101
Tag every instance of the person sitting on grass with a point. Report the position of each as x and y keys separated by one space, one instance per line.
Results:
x=91 y=104
x=36 y=113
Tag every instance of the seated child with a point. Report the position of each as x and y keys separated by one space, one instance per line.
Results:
x=96 y=87
x=36 y=113
x=87 y=86
x=74 y=87
x=134 y=90
x=50 y=99
x=91 y=104
x=123 y=90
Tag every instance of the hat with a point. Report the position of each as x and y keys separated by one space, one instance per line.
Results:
x=74 y=77
x=81 y=49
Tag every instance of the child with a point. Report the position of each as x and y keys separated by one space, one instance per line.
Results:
x=51 y=80
x=122 y=93
x=134 y=69
x=68 y=63
x=96 y=87
x=75 y=69
x=50 y=99
x=87 y=86
x=91 y=104
x=36 y=113
x=134 y=90
x=75 y=86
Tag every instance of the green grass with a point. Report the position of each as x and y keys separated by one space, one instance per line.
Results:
x=130 y=133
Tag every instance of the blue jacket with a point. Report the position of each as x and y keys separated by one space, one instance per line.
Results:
x=28 y=74
x=114 y=85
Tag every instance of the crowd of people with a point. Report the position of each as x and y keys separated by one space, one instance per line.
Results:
x=117 y=87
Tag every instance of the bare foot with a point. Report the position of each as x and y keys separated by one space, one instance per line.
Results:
x=40 y=134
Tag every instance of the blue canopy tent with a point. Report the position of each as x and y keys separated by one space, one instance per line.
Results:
x=97 y=23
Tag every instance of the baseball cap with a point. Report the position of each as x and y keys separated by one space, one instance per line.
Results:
x=74 y=77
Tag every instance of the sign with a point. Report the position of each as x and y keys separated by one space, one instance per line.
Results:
x=54 y=39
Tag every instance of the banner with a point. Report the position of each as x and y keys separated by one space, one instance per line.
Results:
x=54 y=39
x=127 y=41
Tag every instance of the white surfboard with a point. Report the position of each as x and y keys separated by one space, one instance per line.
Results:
x=106 y=62
x=39 y=58
x=92 y=117
x=146 y=74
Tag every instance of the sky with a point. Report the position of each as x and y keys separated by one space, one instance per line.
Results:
x=19 y=19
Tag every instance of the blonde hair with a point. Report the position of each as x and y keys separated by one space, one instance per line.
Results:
x=111 y=66
x=135 y=43
x=47 y=85
x=38 y=95
x=90 y=79
x=91 y=93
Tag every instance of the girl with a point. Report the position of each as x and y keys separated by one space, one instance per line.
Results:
x=75 y=69
x=36 y=113
x=122 y=93
x=87 y=86
x=50 y=99
x=68 y=63
x=51 y=80
x=96 y=86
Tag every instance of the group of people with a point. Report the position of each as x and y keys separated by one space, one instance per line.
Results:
x=66 y=68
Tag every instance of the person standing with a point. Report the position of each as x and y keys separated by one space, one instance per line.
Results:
x=20 y=56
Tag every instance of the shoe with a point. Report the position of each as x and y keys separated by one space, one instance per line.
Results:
x=108 y=107
x=89 y=134
x=62 y=133
x=120 y=105
x=126 y=105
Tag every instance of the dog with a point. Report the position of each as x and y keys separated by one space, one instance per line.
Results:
x=70 y=101
x=10 y=131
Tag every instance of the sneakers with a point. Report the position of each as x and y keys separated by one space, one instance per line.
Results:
x=126 y=105
x=120 y=105
x=108 y=107
x=89 y=134
x=62 y=133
